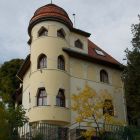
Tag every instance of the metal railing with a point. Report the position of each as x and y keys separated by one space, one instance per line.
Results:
x=45 y=131
x=42 y=131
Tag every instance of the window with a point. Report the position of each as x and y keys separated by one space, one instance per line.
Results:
x=61 y=63
x=61 y=33
x=108 y=107
x=104 y=76
x=60 y=98
x=41 y=97
x=42 y=61
x=43 y=32
x=99 y=52
x=78 y=44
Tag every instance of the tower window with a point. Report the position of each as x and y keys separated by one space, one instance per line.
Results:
x=42 y=32
x=108 y=107
x=41 y=97
x=60 y=98
x=61 y=63
x=42 y=61
x=104 y=76
x=78 y=44
x=61 y=33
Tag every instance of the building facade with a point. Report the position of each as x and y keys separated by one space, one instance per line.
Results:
x=61 y=62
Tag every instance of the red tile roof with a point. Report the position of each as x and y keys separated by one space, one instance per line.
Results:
x=53 y=12
x=50 y=11
x=91 y=51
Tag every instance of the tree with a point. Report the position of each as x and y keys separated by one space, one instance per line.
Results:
x=8 y=80
x=11 y=117
x=131 y=75
x=89 y=108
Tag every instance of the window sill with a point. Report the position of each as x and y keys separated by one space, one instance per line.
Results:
x=62 y=37
x=61 y=69
x=61 y=107
x=105 y=83
x=78 y=48
x=40 y=69
x=45 y=68
x=41 y=106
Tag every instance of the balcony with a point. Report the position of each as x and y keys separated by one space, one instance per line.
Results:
x=52 y=114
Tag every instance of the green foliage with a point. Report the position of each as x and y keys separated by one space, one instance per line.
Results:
x=8 y=80
x=131 y=75
x=4 y=129
x=10 y=117
x=16 y=116
x=38 y=137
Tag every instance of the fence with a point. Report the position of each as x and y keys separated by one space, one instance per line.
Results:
x=42 y=131
x=45 y=131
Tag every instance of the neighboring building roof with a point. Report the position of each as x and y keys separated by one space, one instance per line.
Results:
x=53 y=12
x=17 y=96
x=92 y=56
x=24 y=67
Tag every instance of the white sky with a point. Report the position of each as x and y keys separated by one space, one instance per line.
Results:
x=108 y=21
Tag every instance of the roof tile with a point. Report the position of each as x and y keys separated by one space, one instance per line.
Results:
x=106 y=57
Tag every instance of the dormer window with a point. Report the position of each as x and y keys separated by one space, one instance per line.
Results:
x=42 y=32
x=61 y=33
x=78 y=44
x=99 y=52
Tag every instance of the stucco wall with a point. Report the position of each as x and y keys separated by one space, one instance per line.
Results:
x=85 y=73
x=51 y=78
x=77 y=73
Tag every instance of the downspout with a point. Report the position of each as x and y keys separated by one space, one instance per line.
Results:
x=124 y=102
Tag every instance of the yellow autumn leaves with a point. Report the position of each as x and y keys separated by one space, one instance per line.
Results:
x=89 y=108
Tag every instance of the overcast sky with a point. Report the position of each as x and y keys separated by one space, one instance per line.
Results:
x=108 y=21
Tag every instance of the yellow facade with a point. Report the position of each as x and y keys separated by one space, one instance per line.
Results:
x=76 y=75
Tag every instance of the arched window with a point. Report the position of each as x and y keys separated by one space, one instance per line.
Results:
x=61 y=33
x=61 y=63
x=78 y=44
x=42 y=32
x=60 y=98
x=41 y=97
x=108 y=107
x=104 y=76
x=42 y=61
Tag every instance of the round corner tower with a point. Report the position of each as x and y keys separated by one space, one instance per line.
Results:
x=49 y=31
